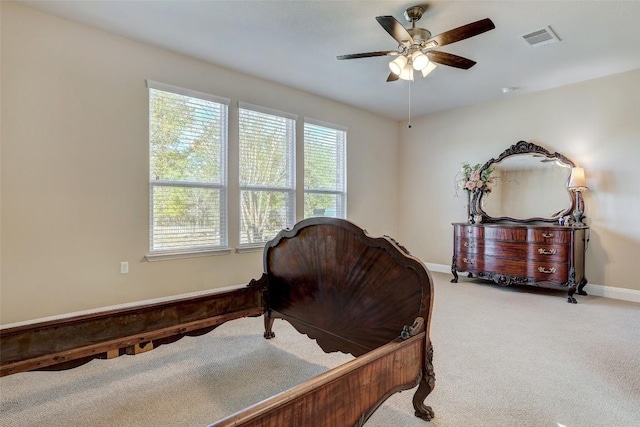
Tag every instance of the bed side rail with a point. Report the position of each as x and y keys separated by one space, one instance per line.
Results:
x=70 y=342
x=346 y=395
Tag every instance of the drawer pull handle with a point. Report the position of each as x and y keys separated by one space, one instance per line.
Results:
x=547 y=271
x=467 y=260
x=469 y=245
x=547 y=235
x=542 y=251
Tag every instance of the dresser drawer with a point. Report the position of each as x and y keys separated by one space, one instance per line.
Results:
x=539 y=270
x=469 y=262
x=468 y=231
x=517 y=234
x=468 y=245
x=522 y=250
x=549 y=253
x=549 y=235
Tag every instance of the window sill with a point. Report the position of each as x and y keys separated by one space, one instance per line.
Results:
x=166 y=256
x=252 y=248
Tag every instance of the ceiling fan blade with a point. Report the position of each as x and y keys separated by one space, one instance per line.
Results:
x=368 y=54
x=397 y=31
x=461 y=33
x=392 y=77
x=450 y=59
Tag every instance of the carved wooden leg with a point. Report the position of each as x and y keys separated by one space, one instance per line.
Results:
x=572 y=286
x=427 y=382
x=453 y=271
x=570 y=298
x=580 y=286
x=268 y=324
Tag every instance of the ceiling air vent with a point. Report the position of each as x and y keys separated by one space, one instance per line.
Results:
x=541 y=37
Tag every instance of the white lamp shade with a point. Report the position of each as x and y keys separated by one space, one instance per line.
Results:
x=407 y=72
x=429 y=68
x=577 y=179
x=397 y=65
x=419 y=60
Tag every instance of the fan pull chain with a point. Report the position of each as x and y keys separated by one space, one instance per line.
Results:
x=409 y=123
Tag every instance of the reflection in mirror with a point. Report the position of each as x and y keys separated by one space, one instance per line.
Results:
x=528 y=186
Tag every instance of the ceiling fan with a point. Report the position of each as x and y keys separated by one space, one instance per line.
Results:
x=416 y=47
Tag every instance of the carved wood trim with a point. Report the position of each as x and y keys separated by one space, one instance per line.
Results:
x=521 y=147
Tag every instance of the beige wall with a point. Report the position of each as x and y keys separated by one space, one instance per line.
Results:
x=74 y=169
x=594 y=123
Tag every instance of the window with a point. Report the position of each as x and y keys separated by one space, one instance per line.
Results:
x=188 y=172
x=324 y=170
x=267 y=173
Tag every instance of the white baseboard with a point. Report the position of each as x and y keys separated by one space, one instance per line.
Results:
x=612 y=292
x=596 y=290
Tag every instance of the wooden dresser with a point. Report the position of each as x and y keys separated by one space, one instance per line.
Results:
x=525 y=254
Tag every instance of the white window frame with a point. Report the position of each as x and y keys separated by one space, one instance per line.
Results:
x=340 y=193
x=196 y=250
x=289 y=190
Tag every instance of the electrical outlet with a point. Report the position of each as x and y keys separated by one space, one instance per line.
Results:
x=124 y=267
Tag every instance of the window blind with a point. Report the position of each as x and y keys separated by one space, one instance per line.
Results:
x=267 y=173
x=187 y=166
x=324 y=170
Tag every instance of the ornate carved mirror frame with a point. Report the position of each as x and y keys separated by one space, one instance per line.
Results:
x=541 y=155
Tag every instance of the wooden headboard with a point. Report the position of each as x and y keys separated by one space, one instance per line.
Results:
x=348 y=291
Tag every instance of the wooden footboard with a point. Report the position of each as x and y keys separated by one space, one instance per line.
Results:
x=347 y=395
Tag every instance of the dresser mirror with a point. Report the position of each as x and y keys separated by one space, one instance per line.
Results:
x=530 y=185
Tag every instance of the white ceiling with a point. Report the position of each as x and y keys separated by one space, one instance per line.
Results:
x=295 y=43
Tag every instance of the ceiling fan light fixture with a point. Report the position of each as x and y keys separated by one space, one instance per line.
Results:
x=429 y=68
x=419 y=60
x=416 y=45
x=397 y=65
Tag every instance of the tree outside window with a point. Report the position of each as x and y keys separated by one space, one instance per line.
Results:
x=324 y=170
x=187 y=152
x=267 y=173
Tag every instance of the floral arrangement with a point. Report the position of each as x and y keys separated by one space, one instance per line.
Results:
x=471 y=180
